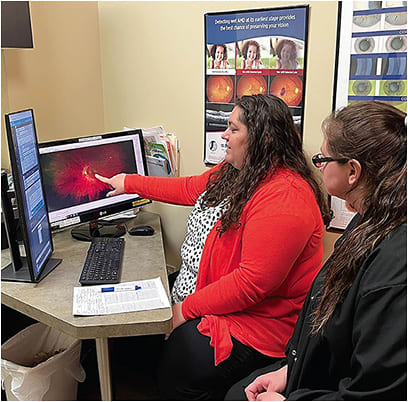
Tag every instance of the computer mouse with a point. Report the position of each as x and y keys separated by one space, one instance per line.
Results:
x=144 y=230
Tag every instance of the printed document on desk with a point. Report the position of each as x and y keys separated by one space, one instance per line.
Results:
x=123 y=297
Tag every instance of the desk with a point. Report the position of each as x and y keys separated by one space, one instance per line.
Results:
x=50 y=301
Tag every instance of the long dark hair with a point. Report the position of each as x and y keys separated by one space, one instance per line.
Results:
x=373 y=133
x=273 y=142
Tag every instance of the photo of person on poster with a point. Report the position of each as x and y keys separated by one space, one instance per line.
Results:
x=218 y=57
x=286 y=52
x=251 y=55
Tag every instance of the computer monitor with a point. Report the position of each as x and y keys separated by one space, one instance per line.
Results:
x=31 y=203
x=73 y=193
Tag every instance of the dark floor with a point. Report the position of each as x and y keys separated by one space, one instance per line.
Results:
x=132 y=367
x=133 y=362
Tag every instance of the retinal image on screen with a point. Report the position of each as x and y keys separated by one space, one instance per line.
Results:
x=69 y=176
x=73 y=193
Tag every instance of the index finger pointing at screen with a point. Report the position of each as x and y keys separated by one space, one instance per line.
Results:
x=102 y=178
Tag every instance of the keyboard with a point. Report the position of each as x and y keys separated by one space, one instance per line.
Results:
x=103 y=262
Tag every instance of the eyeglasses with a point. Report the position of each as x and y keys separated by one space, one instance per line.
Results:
x=320 y=160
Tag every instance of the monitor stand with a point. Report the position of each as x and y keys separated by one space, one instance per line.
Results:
x=9 y=274
x=87 y=232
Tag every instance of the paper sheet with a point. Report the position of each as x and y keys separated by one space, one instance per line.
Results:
x=341 y=215
x=131 y=213
x=90 y=300
x=156 y=167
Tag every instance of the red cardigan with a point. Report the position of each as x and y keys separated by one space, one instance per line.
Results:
x=252 y=281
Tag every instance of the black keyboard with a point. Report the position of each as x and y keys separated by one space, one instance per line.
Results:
x=103 y=263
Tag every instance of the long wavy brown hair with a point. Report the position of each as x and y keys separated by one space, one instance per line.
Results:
x=375 y=134
x=273 y=143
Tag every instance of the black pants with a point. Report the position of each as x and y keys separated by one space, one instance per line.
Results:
x=237 y=391
x=187 y=370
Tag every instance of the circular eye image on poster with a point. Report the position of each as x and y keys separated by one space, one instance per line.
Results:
x=220 y=88
x=362 y=88
x=289 y=88
x=251 y=85
x=365 y=21
x=396 y=44
x=396 y=19
x=364 y=45
x=394 y=88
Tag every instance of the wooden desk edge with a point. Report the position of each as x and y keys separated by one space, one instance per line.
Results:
x=91 y=331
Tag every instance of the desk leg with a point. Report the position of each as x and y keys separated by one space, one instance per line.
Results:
x=102 y=353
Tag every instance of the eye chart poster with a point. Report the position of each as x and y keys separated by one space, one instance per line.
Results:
x=371 y=64
x=252 y=52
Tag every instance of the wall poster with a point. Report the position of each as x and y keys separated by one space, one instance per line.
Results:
x=252 y=52
x=371 y=64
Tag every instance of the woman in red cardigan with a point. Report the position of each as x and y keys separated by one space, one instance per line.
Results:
x=252 y=249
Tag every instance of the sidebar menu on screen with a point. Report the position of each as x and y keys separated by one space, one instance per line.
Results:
x=39 y=235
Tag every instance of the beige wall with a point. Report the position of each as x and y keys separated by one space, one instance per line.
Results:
x=152 y=71
x=61 y=77
x=99 y=66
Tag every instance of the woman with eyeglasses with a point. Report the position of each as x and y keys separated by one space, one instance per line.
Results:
x=349 y=342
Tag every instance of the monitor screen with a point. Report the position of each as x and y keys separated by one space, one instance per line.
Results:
x=73 y=193
x=24 y=157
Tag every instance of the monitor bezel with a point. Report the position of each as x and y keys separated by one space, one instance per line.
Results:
x=117 y=207
x=19 y=194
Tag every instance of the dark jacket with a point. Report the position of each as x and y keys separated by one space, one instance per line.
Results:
x=361 y=353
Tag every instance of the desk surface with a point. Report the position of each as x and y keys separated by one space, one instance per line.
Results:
x=50 y=301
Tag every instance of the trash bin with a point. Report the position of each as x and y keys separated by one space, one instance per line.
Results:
x=55 y=378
